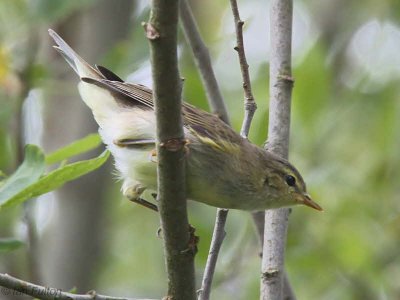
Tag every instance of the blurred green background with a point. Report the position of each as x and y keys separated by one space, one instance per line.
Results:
x=345 y=138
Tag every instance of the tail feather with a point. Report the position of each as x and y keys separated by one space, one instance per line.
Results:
x=100 y=100
x=78 y=64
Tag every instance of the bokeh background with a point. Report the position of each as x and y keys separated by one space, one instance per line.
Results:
x=345 y=138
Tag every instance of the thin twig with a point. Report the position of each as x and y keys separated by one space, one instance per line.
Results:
x=215 y=246
x=217 y=104
x=258 y=220
x=203 y=61
x=281 y=84
x=178 y=237
x=15 y=287
x=250 y=105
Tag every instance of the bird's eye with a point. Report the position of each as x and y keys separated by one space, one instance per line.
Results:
x=290 y=180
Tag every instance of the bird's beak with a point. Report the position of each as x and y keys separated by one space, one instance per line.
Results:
x=305 y=199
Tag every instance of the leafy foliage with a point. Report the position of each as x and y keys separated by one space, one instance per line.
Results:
x=85 y=144
x=28 y=181
x=27 y=174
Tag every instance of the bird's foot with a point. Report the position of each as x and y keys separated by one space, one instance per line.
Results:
x=133 y=194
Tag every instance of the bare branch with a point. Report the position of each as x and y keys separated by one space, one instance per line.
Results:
x=15 y=287
x=203 y=61
x=216 y=243
x=272 y=267
x=177 y=235
x=281 y=84
x=250 y=105
x=258 y=220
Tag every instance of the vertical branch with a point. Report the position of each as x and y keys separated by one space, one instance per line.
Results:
x=281 y=84
x=215 y=246
x=249 y=103
x=179 y=255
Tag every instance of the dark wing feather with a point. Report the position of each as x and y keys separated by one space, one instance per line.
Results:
x=108 y=74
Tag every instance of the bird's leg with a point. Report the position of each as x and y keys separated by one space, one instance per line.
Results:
x=144 y=203
x=133 y=194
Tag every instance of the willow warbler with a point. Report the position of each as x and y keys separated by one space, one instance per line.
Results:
x=223 y=169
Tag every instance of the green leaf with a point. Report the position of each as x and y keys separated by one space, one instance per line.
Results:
x=9 y=244
x=80 y=146
x=55 y=179
x=28 y=172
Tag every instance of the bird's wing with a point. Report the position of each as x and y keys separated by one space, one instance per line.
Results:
x=208 y=127
x=126 y=94
x=201 y=123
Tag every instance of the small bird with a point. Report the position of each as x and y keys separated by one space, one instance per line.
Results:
x=223 y=169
